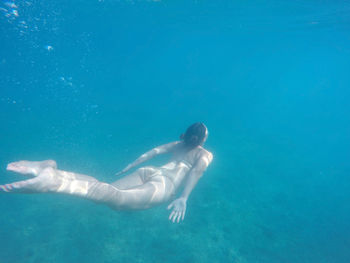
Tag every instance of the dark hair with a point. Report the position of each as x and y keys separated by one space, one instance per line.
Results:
x=194 y=135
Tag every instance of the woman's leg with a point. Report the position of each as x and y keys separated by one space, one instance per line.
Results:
x=28 y=167
x=34 y=168
x=52 y=180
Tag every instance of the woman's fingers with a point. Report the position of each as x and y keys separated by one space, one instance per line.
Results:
x=179 y=217
x=171 y=215
x=176 y=215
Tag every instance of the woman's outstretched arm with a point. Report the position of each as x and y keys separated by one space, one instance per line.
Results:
x=179 y=205
x=149 y=155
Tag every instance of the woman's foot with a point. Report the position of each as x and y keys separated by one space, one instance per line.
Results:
x=48 y=180
x=28 y=167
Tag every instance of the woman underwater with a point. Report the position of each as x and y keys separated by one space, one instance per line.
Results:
x=146 y=187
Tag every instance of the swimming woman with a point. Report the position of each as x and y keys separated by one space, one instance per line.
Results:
x=146 y=187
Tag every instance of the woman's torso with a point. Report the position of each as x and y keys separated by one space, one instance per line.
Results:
x=181 y=163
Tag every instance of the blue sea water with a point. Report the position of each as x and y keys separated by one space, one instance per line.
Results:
x=94 y=84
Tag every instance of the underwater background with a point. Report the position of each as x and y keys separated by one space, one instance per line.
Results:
x=94 y=84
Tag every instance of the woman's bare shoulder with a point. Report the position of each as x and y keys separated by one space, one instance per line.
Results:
x=204 y=153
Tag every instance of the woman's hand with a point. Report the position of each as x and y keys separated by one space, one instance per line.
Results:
x=123 y=171
x=120 y=173
x=179 y=209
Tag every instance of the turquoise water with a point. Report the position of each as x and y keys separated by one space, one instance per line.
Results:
x=94 y=84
